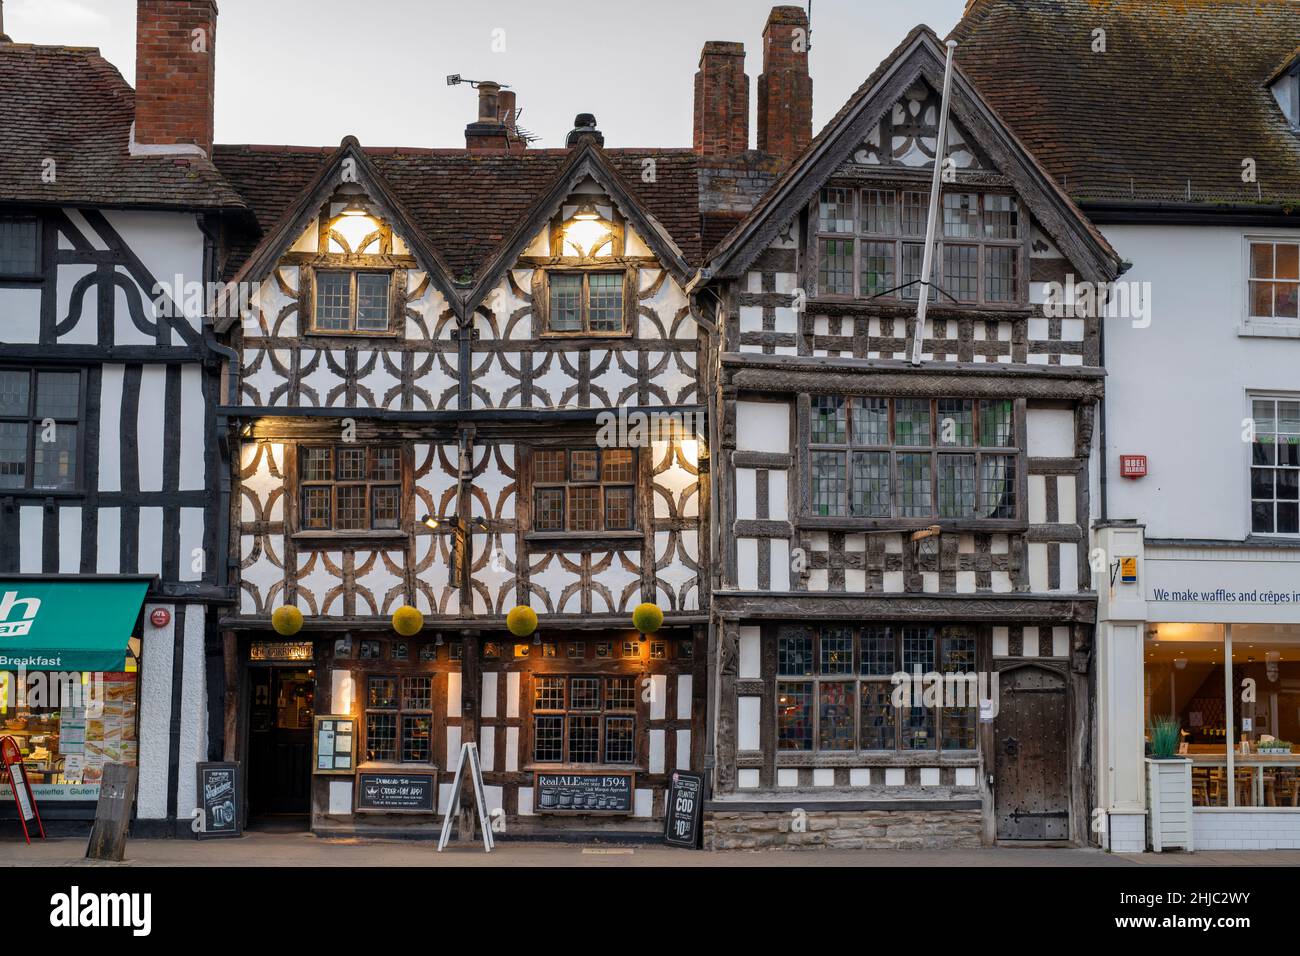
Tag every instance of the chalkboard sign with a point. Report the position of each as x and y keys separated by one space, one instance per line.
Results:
x=219 y=799
x=396 y=793
x=685 y=805
x=583 y=793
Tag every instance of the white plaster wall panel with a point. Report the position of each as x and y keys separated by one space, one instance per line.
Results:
x=549 y=575
x=658 y=696
x=340 y=798
x=379 y=584
x=150 y=424
x=319 y=573
x=259 y=378
x=763 y=426
x=1060 y=642
x=965 y=777
x=674 y=374
x=751 y=649
x=1066 y=492
x=525 y=798
x=677 y=580
x=684 y=702
x=192 y=472
x=818 y=579
x=747 y=780
x=495 y=797
x=1001 y=641
x=262 y=580
x=193 y=711
x=860 y=777
x=453 y=744
x=780 y=564
x=110 y=431
x=748 y=723
x=787 y=777
x=193 y=559
x=614 y=380
x=823 y=777
x=108 y=559
x=746 y=493
x=747 y=563
x=1029 y=642
x=169 y=245
x=21 y=308
x=453 y=697
x=656 y=750
x=929 y=776
x=751 y=318
x=965 y=582
x=84 y=228
x=778 y=501
x=495 y=482
x=895 y=777
x=1000 y=582
x=550 y=378
x=69 y=540
x=342 y=687
x=487 y=748
x=129 y=300
x=1050 y=433
x=263 y=488
x=1069 y=566
x=1037 y=499
x=31 y=524
x=512 y=750
x=84 y=302
x=494 y=573
x=489 y=704
x=155 y=716
x=151 y=541
x=1037 y=566
x=384 y=387
x=512 y=694
x=643 y=804
x=622 y=579
x=892 y=582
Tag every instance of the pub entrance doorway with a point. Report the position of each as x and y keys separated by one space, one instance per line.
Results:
x=281 y=704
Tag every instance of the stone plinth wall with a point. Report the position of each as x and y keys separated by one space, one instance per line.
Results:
x=842 y=830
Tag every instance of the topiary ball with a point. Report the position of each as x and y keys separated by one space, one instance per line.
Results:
x=521 y=621
x=287 y=620
x=647 y=618
x=407 y=621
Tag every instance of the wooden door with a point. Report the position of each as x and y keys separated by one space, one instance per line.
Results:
x=1032 y=793
x=279 y=773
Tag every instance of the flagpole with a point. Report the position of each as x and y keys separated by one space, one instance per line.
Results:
x=931 y=226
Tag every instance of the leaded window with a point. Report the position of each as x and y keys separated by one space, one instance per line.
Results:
x=399 y=718
x=40 y=429
x=584 y=489
x=584 y=719
x=350 y=300
x=20 y=247
x=586 y=302
x=349 y=488
x=912 y=458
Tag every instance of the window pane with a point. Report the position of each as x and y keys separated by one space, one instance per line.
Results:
x=417 y=693
x=350 y=504
x=958 y=653
x=13 y=455
x=1286 y=262
x=835 y=211
x=835 y=267
x=912 y=422
x=956 y=486
x=794 y=719
x=381 y=693
x=1286 y=296
x=961 y=215
x=333 y=300
x=385 y=507
x=878 y=268
x=871 y=421
x=835 y=706
x=381 y=736
x=372 y=301
x=58 y=394
x=915 y=207
x=918 y=649
x=836 y=650
x=620 y=739
x=1000 y=277
x=918 y=728
x=619 y=509
x=317 y=464
x=1261 y=260
x=961 y=272
x=549 y=511
x=913 y=261
x=351 y=464
x=829 y=420
x=385 y=464
x=794 y=652
x=584 y=738
x=997 y=490
x=877 y=721
x=959 y=728
x=14 y=387
x=566 y=303
x=315 y=508
x=584 y=508
x=1261 y=299
x=605 y=290
x=54 y=462
x=584 y=693
x=415 y=737
x=995 y=423
x=878 y=212
x=956 y=421
x=828 y=498
x=1261 y=517
x=548 y=739
x=914 y=486
x=548 y=466
x=582 y=466
x=877 y=652
x=616 y=464
x=19 y=254
x=1001 y=218
x=620 y=693
x=871 y=497
x=549 y=693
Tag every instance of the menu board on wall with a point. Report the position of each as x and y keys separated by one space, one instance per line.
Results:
x=334 y=745
x=685 y=807
x=584 y=793
x=396 y=793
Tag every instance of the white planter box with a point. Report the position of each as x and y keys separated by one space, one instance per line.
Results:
x=1169 y=804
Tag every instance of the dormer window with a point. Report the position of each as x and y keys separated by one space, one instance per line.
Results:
x=354 y=277
x=352 y=301
x=1286 y=90
x=584 y=286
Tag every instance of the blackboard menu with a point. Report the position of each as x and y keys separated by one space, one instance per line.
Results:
x=583 y=793
x=396 y=793
x=685 y=805
x=219 y=799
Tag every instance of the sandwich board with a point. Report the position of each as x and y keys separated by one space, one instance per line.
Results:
x=468 y=755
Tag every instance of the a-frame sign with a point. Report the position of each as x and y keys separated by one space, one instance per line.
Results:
x=468 y=755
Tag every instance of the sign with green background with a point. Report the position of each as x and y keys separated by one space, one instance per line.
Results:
x=67 y=625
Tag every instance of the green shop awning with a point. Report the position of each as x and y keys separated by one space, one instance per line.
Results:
x=67 y=625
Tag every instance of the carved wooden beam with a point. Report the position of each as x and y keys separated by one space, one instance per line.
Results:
x=994 y=608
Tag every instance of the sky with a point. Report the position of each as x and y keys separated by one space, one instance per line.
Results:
x=309 y=72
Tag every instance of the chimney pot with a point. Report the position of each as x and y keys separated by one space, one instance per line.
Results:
x=584 y=126
x=490 y=133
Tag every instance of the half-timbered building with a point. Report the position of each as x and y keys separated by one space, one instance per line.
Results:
x=888 y=528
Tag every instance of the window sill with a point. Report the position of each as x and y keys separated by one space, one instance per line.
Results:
x=904 y=525
x=580 y=335
x=551 y=539
x=384 y=766
x=1269 y=329
x=583 y=768
x=352 y=334
x=387 y=535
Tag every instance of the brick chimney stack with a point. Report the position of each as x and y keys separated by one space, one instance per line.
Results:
x=721 y=100
x=175 y=75
x=785 y=88
x=494 y=130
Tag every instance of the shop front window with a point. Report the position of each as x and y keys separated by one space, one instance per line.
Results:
x=399 y=719
x=584 y=720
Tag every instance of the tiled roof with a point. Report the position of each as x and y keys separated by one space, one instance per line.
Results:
x=1170 y=110
x=70 y=105
x=467 y=204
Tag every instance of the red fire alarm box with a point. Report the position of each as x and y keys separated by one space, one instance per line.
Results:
x=1132 y=466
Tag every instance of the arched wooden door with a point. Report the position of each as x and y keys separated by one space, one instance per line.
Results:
x=1031 y=743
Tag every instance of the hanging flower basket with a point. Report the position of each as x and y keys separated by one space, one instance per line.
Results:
x=407 y=621
x=647 y=618
x=521 y=621
x=287 y=620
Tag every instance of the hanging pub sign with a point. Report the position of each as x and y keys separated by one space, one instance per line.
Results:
x=584 y=792
x=219 y=800
x=685 y=809
x=396 y=793
x=334 y=745
x=12 y=758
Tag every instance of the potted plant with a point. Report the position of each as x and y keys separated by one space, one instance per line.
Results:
x=1274 y=747
x=1169 y=789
